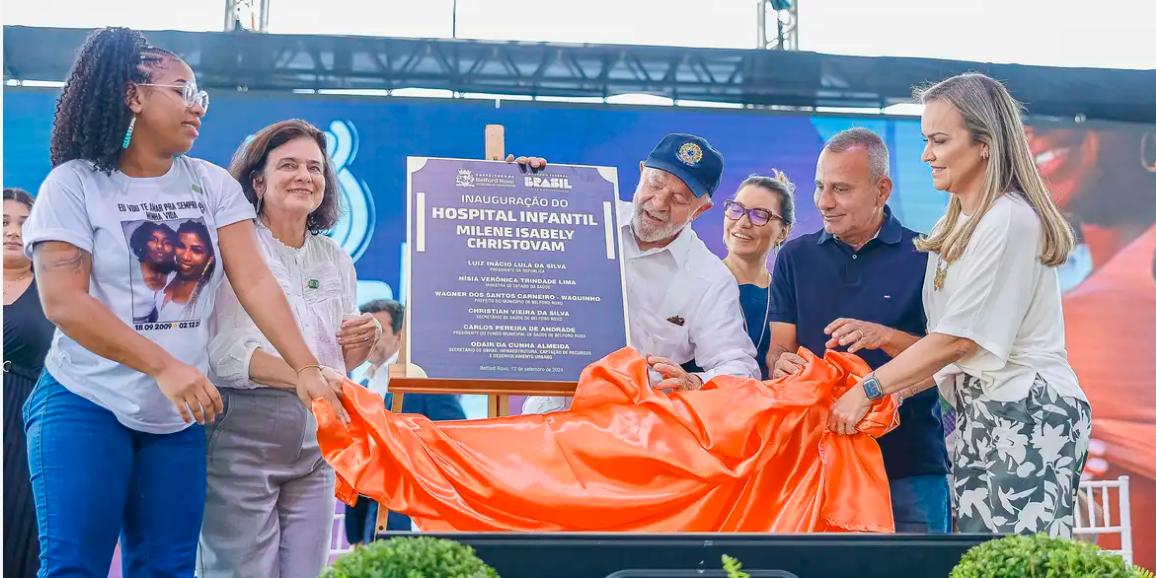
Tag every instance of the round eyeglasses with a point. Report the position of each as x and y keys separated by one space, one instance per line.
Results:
x=734 y=211
x=189 y=93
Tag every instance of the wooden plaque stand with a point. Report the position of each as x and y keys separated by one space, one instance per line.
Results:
x=404 y=378
x=499 y=392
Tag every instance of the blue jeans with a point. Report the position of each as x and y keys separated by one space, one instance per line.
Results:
x=95 y=480
x=921 y=504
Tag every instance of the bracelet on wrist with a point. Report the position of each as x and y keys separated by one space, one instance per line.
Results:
x=310 y=366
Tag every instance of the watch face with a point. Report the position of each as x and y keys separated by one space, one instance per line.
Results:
x=871 y=388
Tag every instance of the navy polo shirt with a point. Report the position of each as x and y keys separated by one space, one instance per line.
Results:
x=818 y=279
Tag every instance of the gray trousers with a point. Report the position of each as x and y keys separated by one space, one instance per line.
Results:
x=270 y=504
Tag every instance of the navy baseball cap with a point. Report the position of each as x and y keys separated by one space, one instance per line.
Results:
x=689 y=158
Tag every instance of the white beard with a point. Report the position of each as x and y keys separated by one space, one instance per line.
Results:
x=648 y=233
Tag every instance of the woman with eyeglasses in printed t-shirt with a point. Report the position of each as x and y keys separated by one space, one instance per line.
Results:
x=121 y=387
x=757 y=221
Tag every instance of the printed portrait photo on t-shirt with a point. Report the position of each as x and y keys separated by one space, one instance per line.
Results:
x=173 y=261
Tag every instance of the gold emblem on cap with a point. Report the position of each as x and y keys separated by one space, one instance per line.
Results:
x=690 y=153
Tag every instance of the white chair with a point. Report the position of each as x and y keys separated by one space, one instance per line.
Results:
x=1094 y=513
x=338 y=545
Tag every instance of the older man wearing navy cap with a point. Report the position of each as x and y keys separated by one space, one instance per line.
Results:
x=684 y=303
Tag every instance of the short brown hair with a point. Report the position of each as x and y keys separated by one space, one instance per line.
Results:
x=250 y=159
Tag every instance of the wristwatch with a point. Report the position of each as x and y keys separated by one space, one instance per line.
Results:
x=872 y=387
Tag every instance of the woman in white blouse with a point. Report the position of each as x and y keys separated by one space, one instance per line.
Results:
x=270 y=502
x=995 y=330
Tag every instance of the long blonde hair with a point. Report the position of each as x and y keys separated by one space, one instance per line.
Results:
x=992 y=117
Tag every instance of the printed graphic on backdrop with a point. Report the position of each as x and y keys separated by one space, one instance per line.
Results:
x=513 y=275
x=1103 y=175
x=354 y=230
x=1104 y=179
x=173 y=262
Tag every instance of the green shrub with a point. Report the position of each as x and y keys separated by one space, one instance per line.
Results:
x=418 y=557
x=1041 y=557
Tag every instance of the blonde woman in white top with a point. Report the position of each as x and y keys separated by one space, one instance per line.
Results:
x=270 y=502
x=995 y=329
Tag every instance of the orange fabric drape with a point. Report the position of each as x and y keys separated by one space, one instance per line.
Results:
x=739 y=455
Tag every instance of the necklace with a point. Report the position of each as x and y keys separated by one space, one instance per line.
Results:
x=20 y=278
x=11 y=285
x=766 y=319
x=767 y=313
x=940 y=274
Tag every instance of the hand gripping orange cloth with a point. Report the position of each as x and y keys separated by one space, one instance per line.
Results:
x=739 y=455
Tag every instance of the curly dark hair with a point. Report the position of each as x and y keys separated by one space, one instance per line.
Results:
x=91 y=113
x=139 y=239
x=250 y=159
x=19 y=195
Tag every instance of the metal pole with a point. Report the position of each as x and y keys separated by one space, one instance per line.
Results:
x=782 y=40
x=454 y=21
x=761 y=43
x=263 y=23
x=229 y=15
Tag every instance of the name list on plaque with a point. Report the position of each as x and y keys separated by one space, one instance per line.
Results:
x=513 y=275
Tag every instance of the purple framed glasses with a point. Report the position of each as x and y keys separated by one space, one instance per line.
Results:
x=734 y=211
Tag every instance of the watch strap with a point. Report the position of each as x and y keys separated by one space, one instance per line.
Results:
x=872 y=387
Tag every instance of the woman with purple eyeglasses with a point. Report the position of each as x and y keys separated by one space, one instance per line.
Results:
x=758 y=220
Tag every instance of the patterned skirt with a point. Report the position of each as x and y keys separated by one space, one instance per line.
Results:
x=1017 y=465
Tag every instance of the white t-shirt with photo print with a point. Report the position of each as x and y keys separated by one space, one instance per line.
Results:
x=98 y=213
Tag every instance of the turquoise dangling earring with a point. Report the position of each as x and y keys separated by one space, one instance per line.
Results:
x=128 y=133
